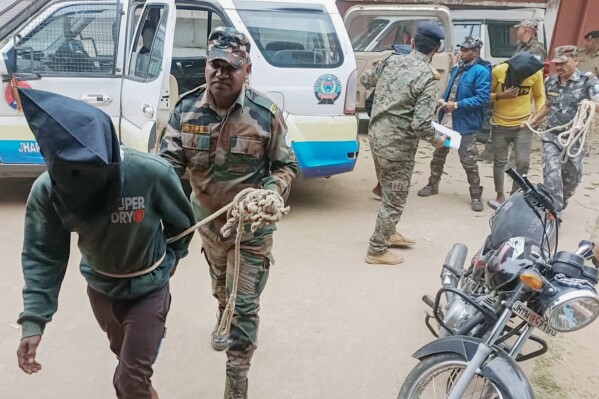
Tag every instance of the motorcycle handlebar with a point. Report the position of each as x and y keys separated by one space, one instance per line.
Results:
x=530 y=190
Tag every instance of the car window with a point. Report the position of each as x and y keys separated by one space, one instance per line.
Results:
x=462 y=31
x=148 y=47
x=365 y=36
x=370 y=33
x=503 y=38
x=75 y=39
x=294 y=38
x=189 y=51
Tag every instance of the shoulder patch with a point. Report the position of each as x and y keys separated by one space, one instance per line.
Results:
x=262 y=101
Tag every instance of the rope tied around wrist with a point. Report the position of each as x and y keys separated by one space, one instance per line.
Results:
x=259 y=208
x=572 y=133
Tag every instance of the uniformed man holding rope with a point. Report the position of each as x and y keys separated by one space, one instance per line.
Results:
x=231 y=138
x=564 y=143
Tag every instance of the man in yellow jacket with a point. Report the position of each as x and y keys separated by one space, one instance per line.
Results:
x=515 y=84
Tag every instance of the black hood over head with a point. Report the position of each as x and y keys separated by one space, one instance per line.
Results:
x=521 y=66
x=81 y=151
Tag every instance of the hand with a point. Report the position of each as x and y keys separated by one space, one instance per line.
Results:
x=439 y=141
x=532 y=122
x=449 y=106
x=509 y=93
x=26 y=354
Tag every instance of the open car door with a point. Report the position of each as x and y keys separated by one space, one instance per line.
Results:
x=145 y=91
x=375 y=29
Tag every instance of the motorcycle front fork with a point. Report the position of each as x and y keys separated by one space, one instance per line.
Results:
x=481 y=355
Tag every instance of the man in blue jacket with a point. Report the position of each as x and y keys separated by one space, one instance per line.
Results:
x=467 y=93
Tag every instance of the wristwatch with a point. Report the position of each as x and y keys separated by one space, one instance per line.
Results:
x=456 y=105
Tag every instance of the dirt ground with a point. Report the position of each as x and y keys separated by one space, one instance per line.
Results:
x=331 y=325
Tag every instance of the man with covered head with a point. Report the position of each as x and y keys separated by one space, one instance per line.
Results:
x=565 y=90
x=122 y=204
x=404 y=105
x=230 y=137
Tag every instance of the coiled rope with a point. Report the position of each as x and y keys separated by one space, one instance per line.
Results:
x=259 y=208
x=572 y=133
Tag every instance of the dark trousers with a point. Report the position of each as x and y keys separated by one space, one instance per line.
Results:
x=135 y=329
x=502 y=137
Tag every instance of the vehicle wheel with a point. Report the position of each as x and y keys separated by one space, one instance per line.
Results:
x=435 y=375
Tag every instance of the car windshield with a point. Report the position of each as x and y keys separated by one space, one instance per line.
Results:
x=294 y=38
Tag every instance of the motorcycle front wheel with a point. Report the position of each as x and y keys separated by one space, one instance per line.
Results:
x=435 y=375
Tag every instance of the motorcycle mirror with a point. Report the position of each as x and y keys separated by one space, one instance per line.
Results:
x=585 y=249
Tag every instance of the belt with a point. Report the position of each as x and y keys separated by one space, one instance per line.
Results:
x=137 y=273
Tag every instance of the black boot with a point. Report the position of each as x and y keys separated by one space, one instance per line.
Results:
x=476 y=194
x=236 y=388
x=432 y=188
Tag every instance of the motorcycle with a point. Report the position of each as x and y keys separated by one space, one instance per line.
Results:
x=516 y=283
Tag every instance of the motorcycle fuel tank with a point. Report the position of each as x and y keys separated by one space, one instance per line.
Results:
x=515 y=218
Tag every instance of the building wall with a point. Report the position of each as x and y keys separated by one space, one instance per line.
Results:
x=343 y=5
x=574 y=19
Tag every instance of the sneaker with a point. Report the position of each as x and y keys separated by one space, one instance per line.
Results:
x=218 y=343
x=386 y=258
x=476 y=205
x=400 y=241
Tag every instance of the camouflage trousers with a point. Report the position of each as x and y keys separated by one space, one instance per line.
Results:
x=255 y=261
x=468 y=152
x=502 y=137
x=561 y=178
x=394 y=178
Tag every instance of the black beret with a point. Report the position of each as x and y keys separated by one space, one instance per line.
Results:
x=430 y=29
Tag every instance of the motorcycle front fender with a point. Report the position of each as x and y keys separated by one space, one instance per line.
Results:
x=503 y=371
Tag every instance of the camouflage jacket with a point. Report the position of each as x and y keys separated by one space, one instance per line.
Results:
x=407 y=88
x=247 y=147
x=563 y=100
x=534 y=47
x=588 y=62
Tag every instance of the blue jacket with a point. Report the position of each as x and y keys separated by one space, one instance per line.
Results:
x=473 y=94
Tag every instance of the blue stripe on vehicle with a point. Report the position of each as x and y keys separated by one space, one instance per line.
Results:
x=325 y=158
x=20 y=152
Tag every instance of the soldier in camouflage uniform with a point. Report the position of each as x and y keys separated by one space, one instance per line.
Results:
x=466 y=95
x=407 y=90
x=527 y=37
x=231 y=137
x=564 y=92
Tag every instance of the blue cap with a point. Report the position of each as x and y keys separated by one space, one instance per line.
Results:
x=431 y=30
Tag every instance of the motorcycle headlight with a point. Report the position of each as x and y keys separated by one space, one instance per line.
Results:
x=573 y=310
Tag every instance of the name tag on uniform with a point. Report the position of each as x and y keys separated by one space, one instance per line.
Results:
x=196 y=129
x=552 y=94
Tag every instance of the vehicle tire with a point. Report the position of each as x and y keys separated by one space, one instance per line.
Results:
x=451 y=365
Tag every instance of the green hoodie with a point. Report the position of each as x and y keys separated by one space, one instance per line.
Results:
x=152 y=208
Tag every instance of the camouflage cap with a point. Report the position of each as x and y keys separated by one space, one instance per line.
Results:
x=563 y=53
x=528 y=23
x=228 y=44
x=471 y=42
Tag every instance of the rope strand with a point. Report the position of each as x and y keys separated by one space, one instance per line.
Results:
x=259 y=208
x=572 y=133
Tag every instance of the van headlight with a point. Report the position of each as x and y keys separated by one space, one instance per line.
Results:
x=573 y=310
